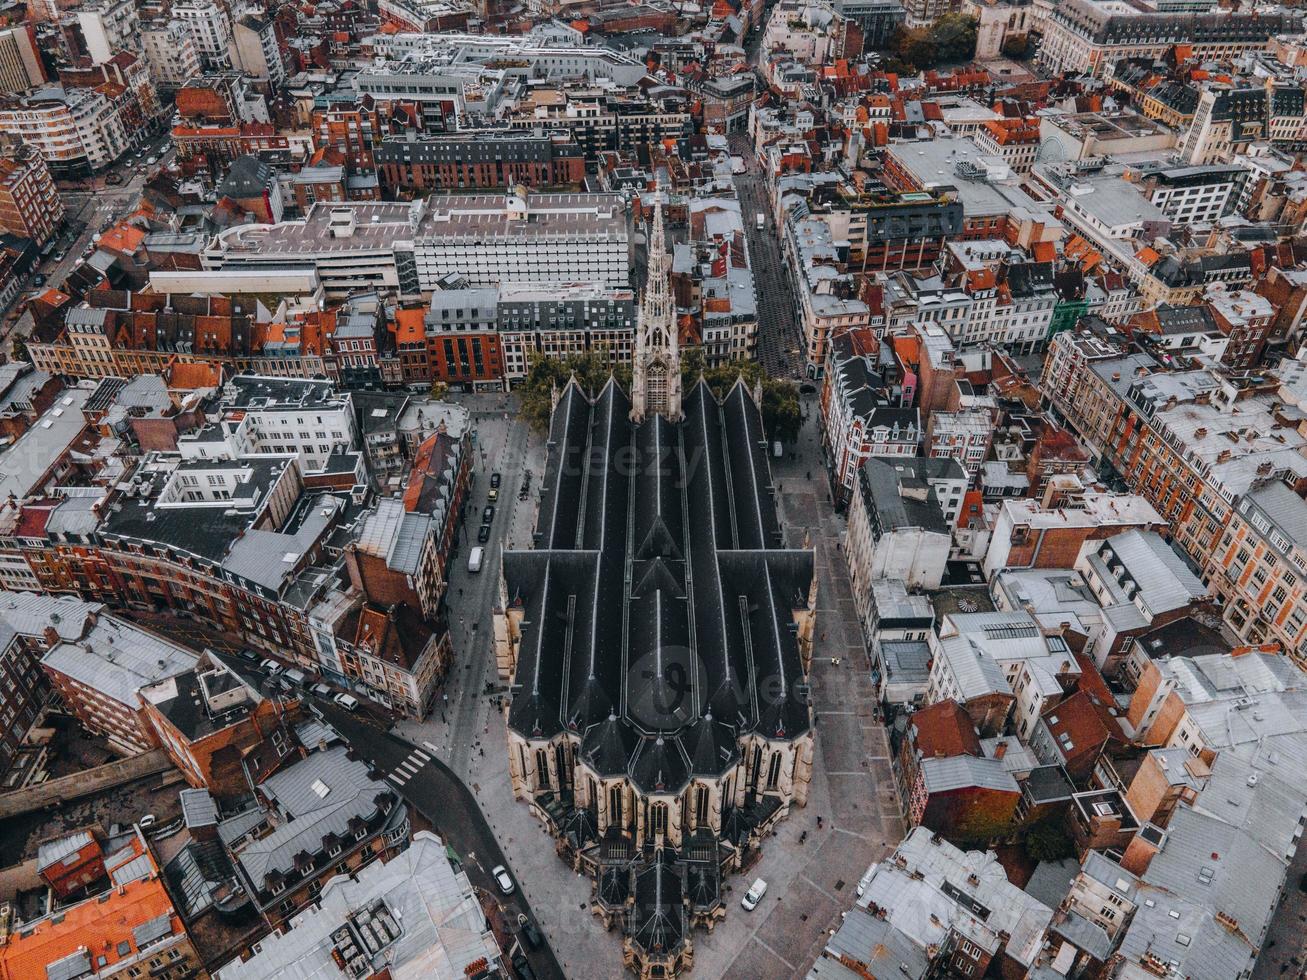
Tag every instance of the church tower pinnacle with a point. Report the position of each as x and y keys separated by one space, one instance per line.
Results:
x=656 y=374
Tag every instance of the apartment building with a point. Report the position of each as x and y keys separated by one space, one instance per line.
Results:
x=29 y=624
x=897 y=528
x=486 y=239
x=825 y=296
x=1015 y=141
x=21 y=67
x=77 y=131
x=323 y=817
x=263 y=414
x=30 y=206
x=99 y=677
x=1089 y=35
x=415 y=910
x=209 y=26
x=978 y=920
x=562 y=319
x=963 y=435
x=130 y=929
x=108 y=26
x=170 y=51
x=1057 y=530
x=858 y=412
x=411 y=164
x=255 y=51
x=218 y=728
x=1195 y=444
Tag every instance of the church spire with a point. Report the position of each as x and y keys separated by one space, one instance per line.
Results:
x=656 y=363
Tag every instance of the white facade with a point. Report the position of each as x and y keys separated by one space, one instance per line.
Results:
x=171 y=54
x=209 y=27
x=108 y=27
x=72 y=125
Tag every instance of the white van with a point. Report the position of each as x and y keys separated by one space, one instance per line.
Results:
x=295 y=676
x=754 y=895
x=474 y=559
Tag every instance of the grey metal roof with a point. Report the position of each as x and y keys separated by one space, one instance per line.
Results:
x=26 y=461
x=442 y=928
x=68 y=967
x=29 y=613
x=156 y=928
x=310 y=813
x=967 y=772
x=1165 y=581
x=54 y=851
x=198 y=808
x=118 y=659
x=271 y=558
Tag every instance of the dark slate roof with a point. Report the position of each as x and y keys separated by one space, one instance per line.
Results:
x=248 y=177
x=658 y=601
x=658 y=920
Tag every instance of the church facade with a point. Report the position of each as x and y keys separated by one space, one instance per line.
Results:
x=657 y=639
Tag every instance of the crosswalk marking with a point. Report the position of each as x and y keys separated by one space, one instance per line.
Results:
x=431 y=747
x=398 y=780
x=409 y=767
x=421 y=755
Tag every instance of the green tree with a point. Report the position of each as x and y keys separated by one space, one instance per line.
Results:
x=954 y=37
x=781 y=415
x=1016 y=46
x=1049 y=842
x=591 y=368
x=439 y=390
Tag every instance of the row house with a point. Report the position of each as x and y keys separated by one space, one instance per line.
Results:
x=409 y=165
x=859 y=417
x=1194 y=444
x=310 y=822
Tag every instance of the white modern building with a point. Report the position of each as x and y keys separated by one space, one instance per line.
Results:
x=897 y=528
x=209 y=26
x=484 y=238
x=108 y=26
x=170 y=53
x=75 y=130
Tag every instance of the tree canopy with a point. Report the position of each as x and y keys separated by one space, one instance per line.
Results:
x=781 y=415
x=949 y=40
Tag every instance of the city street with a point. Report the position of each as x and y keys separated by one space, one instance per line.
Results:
x=429 y=785
x=89 y=205
x=778 y=331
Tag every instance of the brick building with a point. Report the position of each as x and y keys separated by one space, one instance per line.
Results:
x=30 y=206
x=218 y=729
x=410 y=164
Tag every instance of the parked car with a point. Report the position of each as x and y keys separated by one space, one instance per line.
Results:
x=487 y=515
x=59 y=255
x=523 y=968
x=503 y=879
x=495 y=480
x=492 y=496
x=346 y=701
x=321 y=690
x=147 y=821
x=38 y=279
x=754 y=895
x=865 y=880
x=151 y=161
x=249 y=655
x=476 y=557
x=271 y=666
x=296 y=676
x=530 y=934
x=483 y=534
